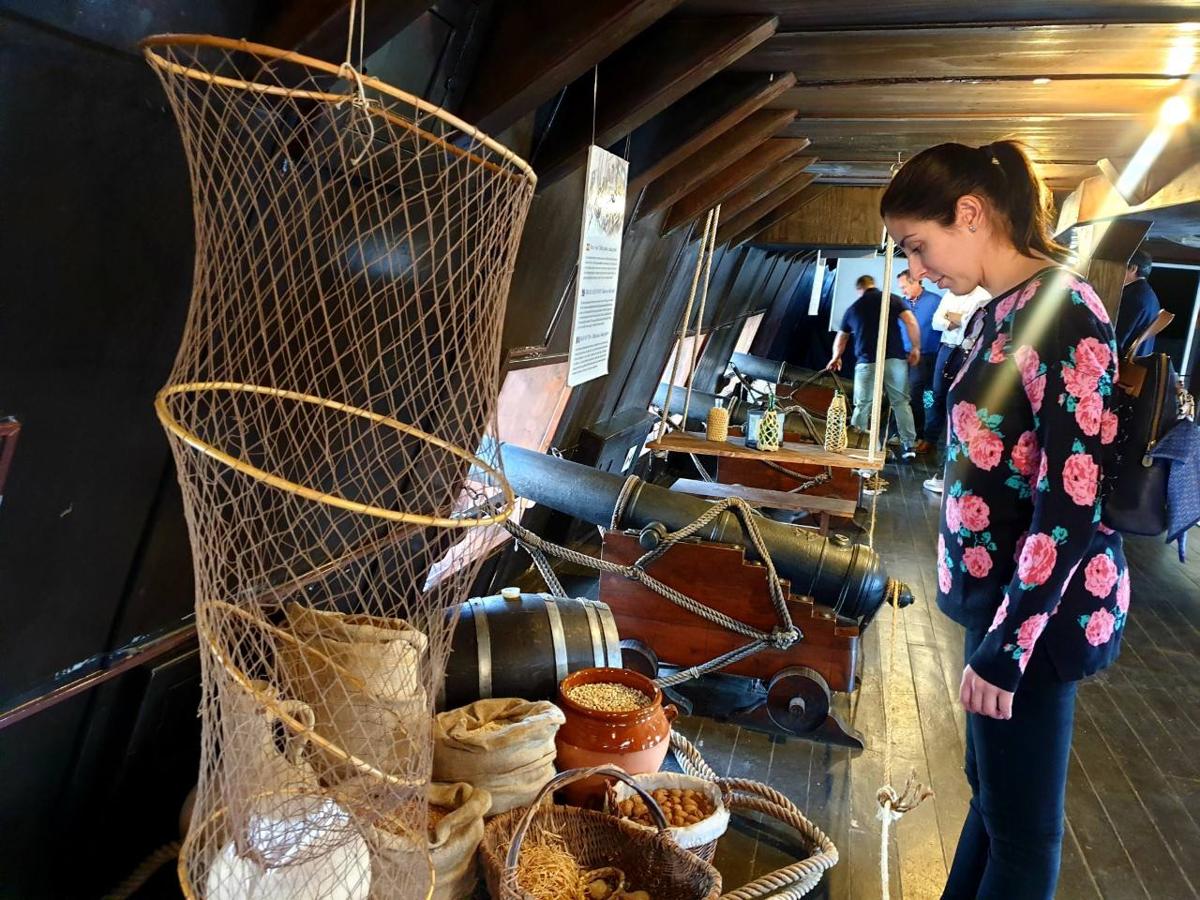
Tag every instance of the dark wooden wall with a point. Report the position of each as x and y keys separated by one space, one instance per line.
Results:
x=96 y=242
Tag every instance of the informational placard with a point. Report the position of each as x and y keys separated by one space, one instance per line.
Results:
x=818 y=285
x=599 y=265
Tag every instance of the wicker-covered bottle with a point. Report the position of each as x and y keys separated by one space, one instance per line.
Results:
x=835 y=424
x=770 y=430
x=717 y=425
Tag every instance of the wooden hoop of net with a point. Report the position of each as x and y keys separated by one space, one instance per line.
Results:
x=331 y=412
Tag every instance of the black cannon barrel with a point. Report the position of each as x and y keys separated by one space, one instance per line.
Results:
x=777 y=371
x=847 y=577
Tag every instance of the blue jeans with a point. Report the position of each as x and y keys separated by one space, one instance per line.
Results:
x=1011 y=842
x=895 y=387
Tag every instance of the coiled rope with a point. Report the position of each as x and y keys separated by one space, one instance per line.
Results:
x=781 y=637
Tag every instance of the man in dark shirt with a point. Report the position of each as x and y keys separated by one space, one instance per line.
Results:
x=1139 y=304
x=861 y=322
x=923 y=304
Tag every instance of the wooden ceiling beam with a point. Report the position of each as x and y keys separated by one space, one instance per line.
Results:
x=784 y=210
x=855 y=171
x=955 y=99
x=764 y=184
x=698 y=119
x=800 y=14
x=735 y=225
x=693 y=171
x=538 y=46
x=643 y=78
x=1050 y=138
x=1022 y=51
x=318 y=27
x=730 y=180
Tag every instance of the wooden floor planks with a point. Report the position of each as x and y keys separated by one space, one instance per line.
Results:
x=1133 y=801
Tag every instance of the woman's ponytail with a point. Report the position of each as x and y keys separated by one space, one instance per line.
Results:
x=930 y=184
x=1027 y=203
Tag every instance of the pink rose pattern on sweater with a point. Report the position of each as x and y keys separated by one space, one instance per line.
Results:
x=1029 y=418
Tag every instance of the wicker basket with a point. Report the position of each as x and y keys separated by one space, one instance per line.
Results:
x=692 y=837
x=651 y=861
x=790 y=882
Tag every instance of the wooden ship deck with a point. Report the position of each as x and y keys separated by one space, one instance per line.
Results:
x=1133 y=825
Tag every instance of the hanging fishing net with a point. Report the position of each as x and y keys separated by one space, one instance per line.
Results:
x=331 y=413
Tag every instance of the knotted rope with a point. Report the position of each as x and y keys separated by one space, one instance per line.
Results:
x=892 y=803
x=710 y=231
x=348 y=71
x=781 y=637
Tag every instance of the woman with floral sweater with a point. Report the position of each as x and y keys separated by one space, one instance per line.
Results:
x=1023 y=562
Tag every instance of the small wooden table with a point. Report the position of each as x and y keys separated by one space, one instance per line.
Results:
x=824 y=507
x=789 y=452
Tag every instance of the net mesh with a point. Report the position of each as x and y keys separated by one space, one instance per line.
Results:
x=331 y=412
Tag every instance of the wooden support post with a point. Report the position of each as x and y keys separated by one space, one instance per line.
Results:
x=730 y=180
x=642 y=79
x=784 y=210
x=698 y=119
x=693 y=171
x=538 y=46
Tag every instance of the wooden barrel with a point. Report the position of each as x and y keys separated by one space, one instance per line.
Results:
x=523 y=647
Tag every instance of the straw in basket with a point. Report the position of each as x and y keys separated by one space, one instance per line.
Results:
x=650 y=861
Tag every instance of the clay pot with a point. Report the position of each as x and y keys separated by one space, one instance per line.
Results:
x=637 y=741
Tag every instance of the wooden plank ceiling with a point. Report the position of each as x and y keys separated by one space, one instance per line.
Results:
x=880 y=81
x=713 y=101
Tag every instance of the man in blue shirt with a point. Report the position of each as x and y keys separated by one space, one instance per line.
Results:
x=861 y=322
x=923 y=304
x=1139 y=304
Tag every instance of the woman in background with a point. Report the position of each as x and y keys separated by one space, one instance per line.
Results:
x=1023 y=563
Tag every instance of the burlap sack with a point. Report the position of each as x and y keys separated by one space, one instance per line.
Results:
x=267 y=753
x=504 y=746
x=452 y=841
x=362 y=677
x=457 y=837
x=264 y=753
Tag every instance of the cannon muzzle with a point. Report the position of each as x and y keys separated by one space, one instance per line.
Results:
x=847 y=577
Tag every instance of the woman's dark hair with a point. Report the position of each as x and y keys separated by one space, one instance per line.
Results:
x=928 y=186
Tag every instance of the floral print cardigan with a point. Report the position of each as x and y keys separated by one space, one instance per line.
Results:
x=1021 y=551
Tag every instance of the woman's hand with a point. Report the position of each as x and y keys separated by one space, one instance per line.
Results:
x=983 y=697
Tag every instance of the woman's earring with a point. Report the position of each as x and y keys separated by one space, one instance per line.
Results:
x=971 y=228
